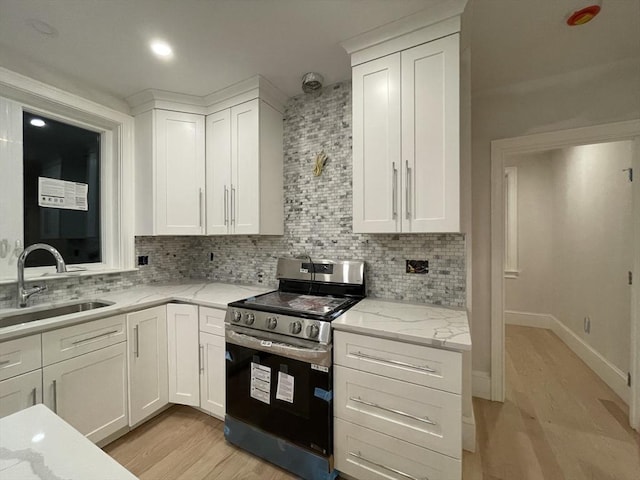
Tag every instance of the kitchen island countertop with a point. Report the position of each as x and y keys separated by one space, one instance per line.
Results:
x=421 y=324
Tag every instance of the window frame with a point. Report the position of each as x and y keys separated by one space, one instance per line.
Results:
x=116 y=169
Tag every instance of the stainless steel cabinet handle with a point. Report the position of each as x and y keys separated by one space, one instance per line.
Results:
x=394 y=190
x=393 y=410
x=34 y=393
x=226 y=205
x=200 y=205
x=398 y=472
x=4 y=362
x=55 y=396
x=136 y=344
x=233 y=205
x=393 y=362
x=408 y=191
x=94 y=337
x=201 y=358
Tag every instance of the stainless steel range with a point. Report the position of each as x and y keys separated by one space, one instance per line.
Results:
x=279 y=372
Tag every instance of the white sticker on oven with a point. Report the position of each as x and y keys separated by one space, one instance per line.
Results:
x=261 y=383
x=285 y=387
x=320 y=368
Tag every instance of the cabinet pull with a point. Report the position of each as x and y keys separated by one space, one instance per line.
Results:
x=94 y=337
x=398 y=472
x=55 y=396
x=4 y=362
x=393 y=362
x=136 y=345
x=201 y=358
x=408 y=191
x=394 y=190
x=226 y=205
x=233 y=205
x=34 y=393
x=200 y=205
x=393 y=410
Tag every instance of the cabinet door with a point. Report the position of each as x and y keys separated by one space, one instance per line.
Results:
x=20 y=392
x=182 y=338
x=431 y=137
x=376 y=145
x=179 y=176
x=218 y=162
x=245 y=168
x=90 y=391
x=212 y=374
x=147 y=353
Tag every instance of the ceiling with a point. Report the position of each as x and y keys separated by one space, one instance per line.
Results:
x=103 y=44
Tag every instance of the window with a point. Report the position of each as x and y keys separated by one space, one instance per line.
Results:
x=61 y=190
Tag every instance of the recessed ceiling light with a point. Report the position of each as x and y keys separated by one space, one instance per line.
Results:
x=37 y=122
x=42 y=27
x=161 y=49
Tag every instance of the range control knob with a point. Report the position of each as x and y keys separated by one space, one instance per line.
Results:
x=272 y=322
x=313 y=330
x=249 y=319
x=295 y=327
x=236 y=316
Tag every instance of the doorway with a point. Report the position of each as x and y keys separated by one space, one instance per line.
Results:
x=570 y=141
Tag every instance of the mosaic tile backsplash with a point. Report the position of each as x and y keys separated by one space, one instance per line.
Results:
x=318 y=223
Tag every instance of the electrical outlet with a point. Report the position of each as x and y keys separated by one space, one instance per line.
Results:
x=143 y=260
x=211 y=256
x=417 y=266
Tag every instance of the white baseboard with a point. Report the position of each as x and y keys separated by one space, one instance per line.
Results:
x=481 y=384
x=528 y=319
x=615 y=378
x=469 y=433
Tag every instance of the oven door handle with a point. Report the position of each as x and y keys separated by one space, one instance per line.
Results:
x=318 y=355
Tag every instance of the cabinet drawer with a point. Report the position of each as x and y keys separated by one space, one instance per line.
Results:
x=431 y=367
x=369 y=455
x=20 y=356
x=420 y=415
x=212 y=320
x=69 y=342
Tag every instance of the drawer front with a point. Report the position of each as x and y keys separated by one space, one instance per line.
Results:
x=69 y=342
x=369 y=455
x=420 y=415
x=431 y=367
x=212 y=320
x=20 y=356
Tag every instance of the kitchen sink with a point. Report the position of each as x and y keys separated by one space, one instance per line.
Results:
x=55 y=311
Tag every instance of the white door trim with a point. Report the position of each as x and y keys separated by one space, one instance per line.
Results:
x=501 y=149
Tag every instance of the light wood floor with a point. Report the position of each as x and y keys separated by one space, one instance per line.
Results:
x=559 y=421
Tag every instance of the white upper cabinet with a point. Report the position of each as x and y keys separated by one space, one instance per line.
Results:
x=170 y=173
x=245 y=170
x=406 y=132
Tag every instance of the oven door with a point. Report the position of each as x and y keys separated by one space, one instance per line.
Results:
x=282 y=387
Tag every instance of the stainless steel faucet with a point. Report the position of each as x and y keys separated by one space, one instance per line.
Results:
x=25 y=293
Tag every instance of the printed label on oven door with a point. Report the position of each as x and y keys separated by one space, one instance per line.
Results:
x=285 y=387
x=320 y=368
x=261 y=383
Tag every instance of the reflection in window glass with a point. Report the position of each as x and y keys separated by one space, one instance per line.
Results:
x=61 y=190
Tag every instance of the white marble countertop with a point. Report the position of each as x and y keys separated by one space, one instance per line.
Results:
x=36 y=444
x=216 y=295
x=416 y=323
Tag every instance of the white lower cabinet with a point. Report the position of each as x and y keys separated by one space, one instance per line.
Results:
x=390 y=421
x=90 y=391
x=147 y=355
x=196 y=357
x=18 y=393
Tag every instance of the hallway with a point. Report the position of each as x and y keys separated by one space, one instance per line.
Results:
x=559 y=420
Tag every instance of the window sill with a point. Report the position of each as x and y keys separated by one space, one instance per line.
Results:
x=52 y=275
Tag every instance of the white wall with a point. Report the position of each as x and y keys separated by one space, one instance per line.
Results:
x=592 y=246
x=532 y=291
x=583 y=98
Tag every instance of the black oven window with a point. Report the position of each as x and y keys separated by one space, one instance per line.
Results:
x=61 y=165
